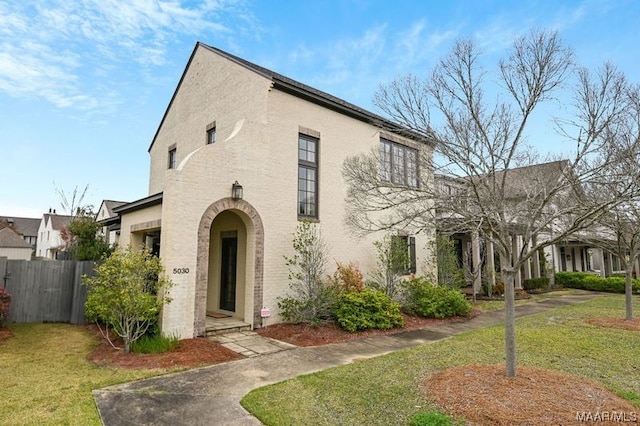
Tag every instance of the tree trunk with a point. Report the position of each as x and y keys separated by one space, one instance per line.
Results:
x=508 y=276
x=628 y=292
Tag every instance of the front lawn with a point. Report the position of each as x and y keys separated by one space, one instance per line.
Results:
x=387 y=389
x=46 y=378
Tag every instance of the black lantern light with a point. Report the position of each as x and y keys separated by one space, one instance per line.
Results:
x=236 y=191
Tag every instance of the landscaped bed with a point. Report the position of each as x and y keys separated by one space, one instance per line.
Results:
x=598 y=377
x=50 y=370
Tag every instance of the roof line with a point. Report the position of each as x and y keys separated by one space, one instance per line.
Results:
x=302 y=91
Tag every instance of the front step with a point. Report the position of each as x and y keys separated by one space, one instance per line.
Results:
x=219 y=326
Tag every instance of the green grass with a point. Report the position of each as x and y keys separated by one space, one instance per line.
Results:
x=387 y=389
x=156 y=344
x=45 y=377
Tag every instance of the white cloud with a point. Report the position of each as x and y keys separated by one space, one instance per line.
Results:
x=55 y=49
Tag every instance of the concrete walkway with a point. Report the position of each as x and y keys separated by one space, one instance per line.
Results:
x=211 y=395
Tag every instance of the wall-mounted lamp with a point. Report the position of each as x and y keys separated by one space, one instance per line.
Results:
x=236 y=191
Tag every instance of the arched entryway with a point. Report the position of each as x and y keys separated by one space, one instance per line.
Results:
x=230 y=263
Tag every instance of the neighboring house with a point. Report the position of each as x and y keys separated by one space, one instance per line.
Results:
x=111 y=229
x=50 y=242
x=241 y=155
x=13 y=246
x=574 y=253
x=25 y=226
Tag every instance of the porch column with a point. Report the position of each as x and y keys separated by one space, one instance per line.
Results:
x=476 y=262
x=527 y=267
x=601 y=266
x=610 y=263
x=536 y=260
x=490 y=264
x=515 y=247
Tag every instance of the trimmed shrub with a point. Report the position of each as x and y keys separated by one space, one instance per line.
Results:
x=431 y=301
x=367 y=309
x=536 y=283
x=592 y=282
x=5 y=304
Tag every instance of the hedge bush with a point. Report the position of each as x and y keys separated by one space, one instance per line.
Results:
x=536 y=283
x=427 y=300
x=361 y=310
x=5 y=304
x=586 y=281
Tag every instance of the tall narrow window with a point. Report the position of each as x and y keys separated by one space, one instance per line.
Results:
x=307 y=176
x=172 y=158
x=211 y=135
x=398 y=164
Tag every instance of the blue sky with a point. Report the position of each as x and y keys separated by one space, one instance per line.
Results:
x=84 y=83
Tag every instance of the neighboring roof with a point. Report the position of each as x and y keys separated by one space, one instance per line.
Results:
x=140 y=204
x=111 y=204
x=10 y=239
x=58 y=221
x=23 y=225
x=300 y=90
x=522 y=179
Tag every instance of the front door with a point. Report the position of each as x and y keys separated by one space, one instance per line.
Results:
x=228 y=273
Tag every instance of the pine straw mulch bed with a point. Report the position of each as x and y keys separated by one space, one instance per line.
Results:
x=191 y=353
x=309 y=335
x=621 y=323
x=484 y=395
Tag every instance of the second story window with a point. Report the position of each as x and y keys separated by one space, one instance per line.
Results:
x=398 y=164
x=307 y=176
x=211 y=135
x=172 y=157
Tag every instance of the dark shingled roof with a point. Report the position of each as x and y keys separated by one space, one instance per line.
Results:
x=111 y=204
x=58 y=221
x=9 y=239
x=302 y=91
x=23 y=225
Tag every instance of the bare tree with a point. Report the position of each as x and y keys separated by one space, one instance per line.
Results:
x=618 y=229
x=72 y=202
x=486 y=179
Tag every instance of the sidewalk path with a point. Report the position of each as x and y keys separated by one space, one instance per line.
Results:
x=211 y=395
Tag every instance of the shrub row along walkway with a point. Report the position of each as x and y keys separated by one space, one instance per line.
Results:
x=211 y=395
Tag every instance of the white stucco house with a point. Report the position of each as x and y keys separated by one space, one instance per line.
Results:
x=50 y=242
x=111 y=229
x=241 y=155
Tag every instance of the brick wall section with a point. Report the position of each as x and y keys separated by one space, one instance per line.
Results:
x=202 y=269
x=257 y=139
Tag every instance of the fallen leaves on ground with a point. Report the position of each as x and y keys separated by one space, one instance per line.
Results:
x=5 y=334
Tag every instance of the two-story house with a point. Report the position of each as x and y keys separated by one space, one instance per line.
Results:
x=24 y=226
x=50 y=241
x=241 y=155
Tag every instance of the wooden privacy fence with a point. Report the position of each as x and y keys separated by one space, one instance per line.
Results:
x=45 y=291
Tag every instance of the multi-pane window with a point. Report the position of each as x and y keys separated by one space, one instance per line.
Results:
x=307 y=176
x=172 y=158
x=211 y=135
x=405 y=245
x=398 y=164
